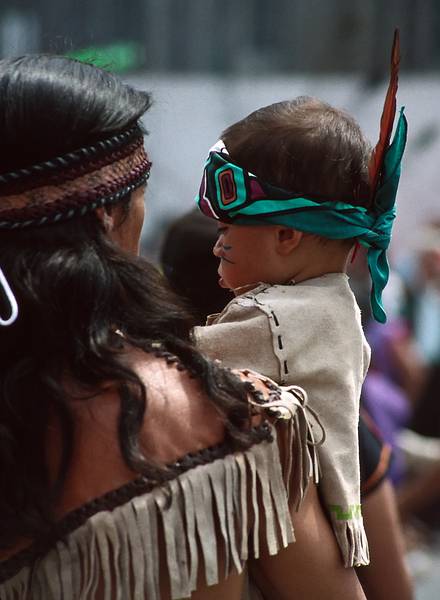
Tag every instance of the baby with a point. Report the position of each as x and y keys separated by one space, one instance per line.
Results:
x=291 y=190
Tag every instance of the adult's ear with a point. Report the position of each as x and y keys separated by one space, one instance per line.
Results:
x=287 y=240
x=106 y=217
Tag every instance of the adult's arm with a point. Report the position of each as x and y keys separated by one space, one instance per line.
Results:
x=311 y=567
x=387 y=575
x=241 y=339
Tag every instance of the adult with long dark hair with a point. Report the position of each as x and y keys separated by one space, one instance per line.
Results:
x=130 y=466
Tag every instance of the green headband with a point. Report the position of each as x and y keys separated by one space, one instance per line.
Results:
x=233 y=195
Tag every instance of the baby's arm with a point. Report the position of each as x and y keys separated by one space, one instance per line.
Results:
x=241 y=339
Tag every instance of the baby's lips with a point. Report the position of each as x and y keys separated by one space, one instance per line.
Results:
x=221 y=282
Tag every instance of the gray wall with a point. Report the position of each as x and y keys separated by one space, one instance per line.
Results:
x=256 y=36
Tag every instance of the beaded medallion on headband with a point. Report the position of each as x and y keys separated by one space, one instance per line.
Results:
x=75 y=183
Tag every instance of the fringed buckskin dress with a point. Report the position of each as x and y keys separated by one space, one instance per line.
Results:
x=136 y=539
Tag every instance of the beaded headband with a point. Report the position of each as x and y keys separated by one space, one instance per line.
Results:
x=69 y=186
x=75 y=183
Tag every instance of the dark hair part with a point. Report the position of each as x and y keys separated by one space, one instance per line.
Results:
x=304 y=146
x=75 y=288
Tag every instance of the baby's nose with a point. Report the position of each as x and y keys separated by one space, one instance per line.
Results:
x=217 y=248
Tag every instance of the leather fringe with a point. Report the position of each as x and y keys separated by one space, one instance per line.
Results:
x=204 y=514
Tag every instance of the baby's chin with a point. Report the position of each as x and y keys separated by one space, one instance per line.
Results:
x=239 y=289
x=222 y=283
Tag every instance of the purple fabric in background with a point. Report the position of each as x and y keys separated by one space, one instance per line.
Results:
x=379 y=337
x=388 y=407
x=382 y=397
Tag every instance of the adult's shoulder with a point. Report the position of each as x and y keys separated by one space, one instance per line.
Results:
x=179 y=419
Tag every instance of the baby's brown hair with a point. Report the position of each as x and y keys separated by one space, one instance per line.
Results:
x=304 y=146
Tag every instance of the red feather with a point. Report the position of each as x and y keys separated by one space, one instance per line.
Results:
x=387 y=119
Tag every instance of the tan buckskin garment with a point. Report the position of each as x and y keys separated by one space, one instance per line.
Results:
x=308 y=334
x=121 y=537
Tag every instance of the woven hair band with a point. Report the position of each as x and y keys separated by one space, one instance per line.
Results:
x=74 y=184
x=69 y=186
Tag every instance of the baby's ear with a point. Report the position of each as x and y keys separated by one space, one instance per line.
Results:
x=288 y=240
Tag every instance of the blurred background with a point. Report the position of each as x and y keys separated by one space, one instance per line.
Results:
x=209 y=63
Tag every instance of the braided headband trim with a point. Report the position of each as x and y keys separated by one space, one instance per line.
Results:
x=77 y=211
x=51 y=203
x=73 y=171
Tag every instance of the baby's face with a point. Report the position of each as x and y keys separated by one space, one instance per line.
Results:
x=246 y=253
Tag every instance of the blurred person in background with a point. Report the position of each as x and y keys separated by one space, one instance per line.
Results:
x=393 y=379
x=419 y=496
x=423 y=281
x=190 y=266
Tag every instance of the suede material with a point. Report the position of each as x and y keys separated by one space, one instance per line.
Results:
x=308 y=334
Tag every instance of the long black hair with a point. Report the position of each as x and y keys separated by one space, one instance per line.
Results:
x=75 y=290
